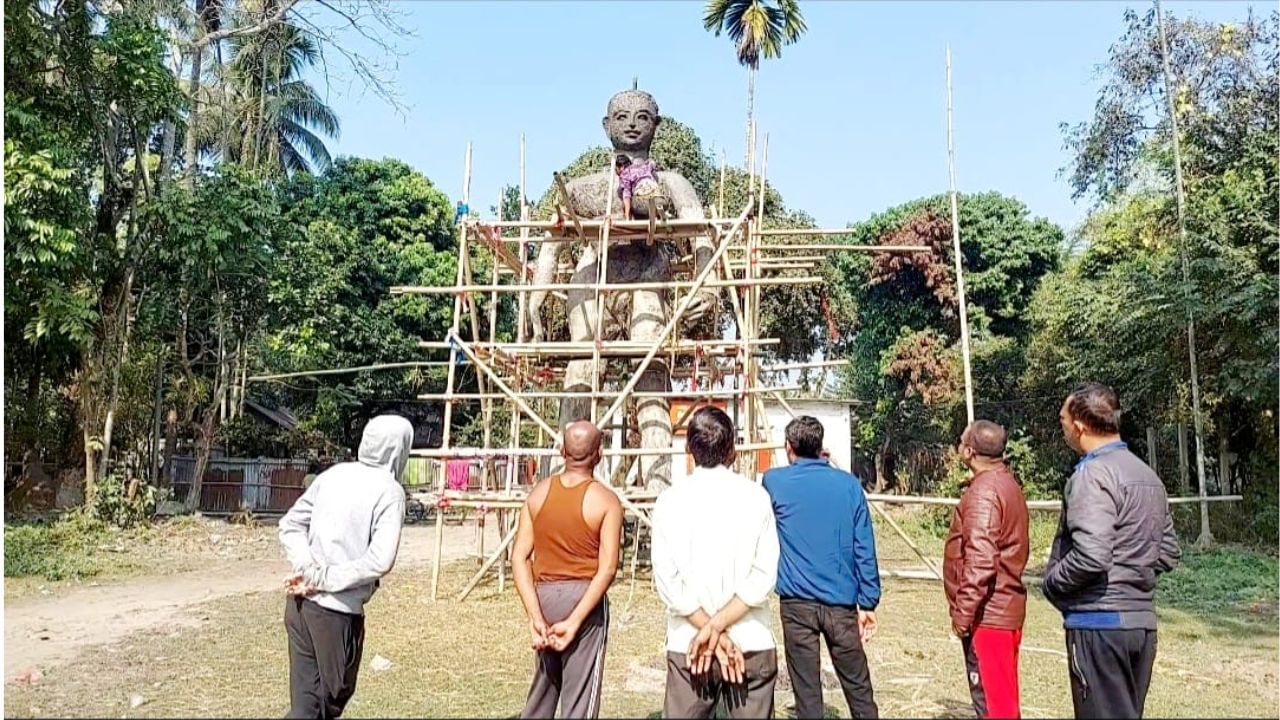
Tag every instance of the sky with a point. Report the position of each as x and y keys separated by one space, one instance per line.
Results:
x=855 y=112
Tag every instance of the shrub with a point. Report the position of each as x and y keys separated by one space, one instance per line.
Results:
x=112 y=504
x=55 y=551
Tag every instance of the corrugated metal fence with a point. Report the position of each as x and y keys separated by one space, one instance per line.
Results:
x=266 y=485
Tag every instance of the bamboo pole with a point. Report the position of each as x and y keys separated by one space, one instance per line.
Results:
x=905 y=538
x=487 y=406
x=493 y=558
x=959 y=259
x=346 y=370
x=675 y=317
x=554 y=452
x=483 y=367
x=598 y=394
x=596 y=286
x=613 y=349
x=445 y=363
x=755 y=410
x=452 y=373
x=1206 y=535
x=566 y=202
x=841 y=247
x=1031 y=504
x=602 y=280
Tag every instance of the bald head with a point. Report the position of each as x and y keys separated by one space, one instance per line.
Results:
x=986 y=438
x=582 y=443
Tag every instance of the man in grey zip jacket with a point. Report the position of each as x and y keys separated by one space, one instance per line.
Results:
x=1114 y=538
x=341 y=537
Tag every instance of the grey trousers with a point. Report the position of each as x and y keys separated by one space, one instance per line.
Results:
x=324 y=658
x=697 y=697
x=571 y=679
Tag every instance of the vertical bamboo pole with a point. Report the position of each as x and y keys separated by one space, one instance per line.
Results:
x=752 y=312
x=959 y=260
x=452 y=373
x=602 y=276
x=1206 y=536
x=757 y=400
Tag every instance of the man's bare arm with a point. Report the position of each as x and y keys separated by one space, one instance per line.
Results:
x=522 y=569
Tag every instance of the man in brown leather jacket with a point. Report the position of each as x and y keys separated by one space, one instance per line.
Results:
x=985 y=555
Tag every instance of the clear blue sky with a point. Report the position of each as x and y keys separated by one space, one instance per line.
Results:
x=855 y=111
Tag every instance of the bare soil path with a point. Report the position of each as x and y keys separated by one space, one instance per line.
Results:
x=43 y=631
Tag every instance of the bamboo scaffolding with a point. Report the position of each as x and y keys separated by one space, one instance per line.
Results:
x=484 y=367
x=596 y=286
x=676 y=315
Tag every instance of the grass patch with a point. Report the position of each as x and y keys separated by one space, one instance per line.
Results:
x=64 y=549
x=78 y=547
x=1226 y=580
x=471 y=659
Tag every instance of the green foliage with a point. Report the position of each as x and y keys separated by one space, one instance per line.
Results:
x=113 y=506
x=355 y=232
x=57 y=551
x=758 y=28
x=904 y=353
x=1224 y=581
x=1118 y=311
x=274 y=119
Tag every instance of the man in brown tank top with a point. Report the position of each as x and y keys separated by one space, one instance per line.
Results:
x=566 y=554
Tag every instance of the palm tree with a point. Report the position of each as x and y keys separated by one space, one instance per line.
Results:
x=760 y=28
x=277 y=120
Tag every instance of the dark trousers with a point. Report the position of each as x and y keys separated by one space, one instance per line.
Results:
x=571 y=680
x=324 y=658
x=803 y=622
x=690 y=696
x=1110 y=671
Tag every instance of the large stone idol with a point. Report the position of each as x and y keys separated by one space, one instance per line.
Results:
x=639 y=315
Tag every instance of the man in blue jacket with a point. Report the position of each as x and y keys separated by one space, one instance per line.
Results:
x=828 y=579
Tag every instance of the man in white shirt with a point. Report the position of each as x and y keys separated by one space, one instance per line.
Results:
x=715 y=559
x=341 y=537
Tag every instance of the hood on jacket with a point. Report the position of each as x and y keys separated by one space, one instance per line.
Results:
x=386 y=443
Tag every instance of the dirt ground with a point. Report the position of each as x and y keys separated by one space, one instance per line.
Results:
x=48 y=624
x=212 y=644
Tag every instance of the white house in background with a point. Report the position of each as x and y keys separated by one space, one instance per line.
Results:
x=835 y=416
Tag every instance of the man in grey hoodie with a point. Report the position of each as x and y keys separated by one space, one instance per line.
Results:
x=1115 y=537
x=341 y=537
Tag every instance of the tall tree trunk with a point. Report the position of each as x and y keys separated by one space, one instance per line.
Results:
x=1184 y=471
x=751 y=115
x=90 y=467
x=170 y=441
x=157 y=412
x=1224 y=459
x=1152 y=454
x=125 y=325
x=191 y=154
x=882 y=465
x=168 y=143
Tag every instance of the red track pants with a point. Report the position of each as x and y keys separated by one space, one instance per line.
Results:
x=991 y=659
